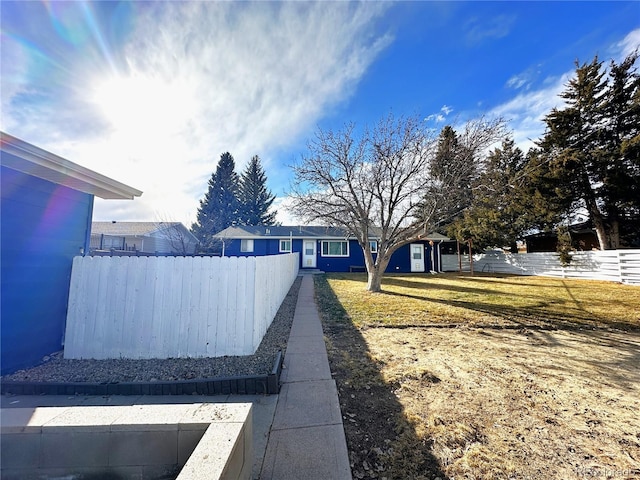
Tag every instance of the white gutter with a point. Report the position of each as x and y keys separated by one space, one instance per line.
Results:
x=27 y=158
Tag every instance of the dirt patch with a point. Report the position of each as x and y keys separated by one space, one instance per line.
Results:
x=479 y=403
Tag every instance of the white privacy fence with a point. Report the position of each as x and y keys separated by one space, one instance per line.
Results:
x=614 y=265
x=169 y=307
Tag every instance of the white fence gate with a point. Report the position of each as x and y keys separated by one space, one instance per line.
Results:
x=170 y=307
x=614 y=265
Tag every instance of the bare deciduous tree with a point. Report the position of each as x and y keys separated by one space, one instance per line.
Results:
x=379 y=184
x=176 y=234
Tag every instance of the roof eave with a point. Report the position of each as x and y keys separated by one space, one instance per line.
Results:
x=27 y=158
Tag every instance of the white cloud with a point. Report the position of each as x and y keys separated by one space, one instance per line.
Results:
x=630 y=43
x=200 y=78
x=441 y=116
x=525 y=112
x=517 y=81
x=480 y=29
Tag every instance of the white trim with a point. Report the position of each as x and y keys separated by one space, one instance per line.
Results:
x=417 y=264
x=309 y=260
x=27 y=158
x=280 y=249
x=333 y=241
x=248 y=247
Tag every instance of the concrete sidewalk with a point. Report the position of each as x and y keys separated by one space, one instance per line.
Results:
x=307 y=438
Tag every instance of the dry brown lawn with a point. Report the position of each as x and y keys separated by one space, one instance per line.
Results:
x=486 y=377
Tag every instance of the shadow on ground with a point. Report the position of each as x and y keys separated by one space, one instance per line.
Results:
x=538 y=314
x=382 y=442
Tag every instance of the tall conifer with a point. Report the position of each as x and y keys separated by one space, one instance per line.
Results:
x=219 y=208
x=255 y=199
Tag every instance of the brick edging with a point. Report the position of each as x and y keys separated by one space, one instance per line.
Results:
x=267 y=384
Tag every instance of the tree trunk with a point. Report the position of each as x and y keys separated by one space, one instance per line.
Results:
x=598 y=224
x=614 y=227
x=374 y=280
x=595 y=214
x=375 y=273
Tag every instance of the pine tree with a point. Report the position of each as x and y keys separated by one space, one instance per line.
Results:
x=591 y=145
x=219 y=208
x=495 y=216
x=454 y=168
x=255 y=199
x=621 y=162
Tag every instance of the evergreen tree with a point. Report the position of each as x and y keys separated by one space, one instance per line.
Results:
x=495 y=217
x=454 y=170
x=220 y=207
x=591 y=147
x=255 y=200
x=621 y=152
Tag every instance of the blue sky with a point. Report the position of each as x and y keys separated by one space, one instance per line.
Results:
x=152 y=93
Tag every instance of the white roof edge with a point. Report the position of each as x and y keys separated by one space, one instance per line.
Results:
x=43 y=164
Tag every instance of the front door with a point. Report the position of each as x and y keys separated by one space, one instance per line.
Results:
x=308 y=254
x=417 y=257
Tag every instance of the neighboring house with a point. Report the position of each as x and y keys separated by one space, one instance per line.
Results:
x=328 y=249
x=46 y=207
x=144 y=237
x=583 y=237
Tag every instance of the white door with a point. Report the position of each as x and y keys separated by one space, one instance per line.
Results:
x=309 y=254
x=417 y=257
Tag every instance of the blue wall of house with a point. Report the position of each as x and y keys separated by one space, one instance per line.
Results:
x=44 y=225
x=400 y=261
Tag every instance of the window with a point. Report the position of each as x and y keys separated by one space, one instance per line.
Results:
x=285 y=245
x=332 y=248
x=246 y=245
x=373 y=245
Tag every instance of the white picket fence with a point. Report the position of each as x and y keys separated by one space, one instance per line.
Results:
x=171 y=307
x=613 y=265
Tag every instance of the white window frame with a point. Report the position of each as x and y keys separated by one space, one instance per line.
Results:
x=246 y=245
x=327 y=242
x=285 y=249
x=373 y=245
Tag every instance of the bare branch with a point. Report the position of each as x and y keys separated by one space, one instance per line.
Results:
x=380 y=181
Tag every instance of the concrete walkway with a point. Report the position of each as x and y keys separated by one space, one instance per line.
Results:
x=307 y=438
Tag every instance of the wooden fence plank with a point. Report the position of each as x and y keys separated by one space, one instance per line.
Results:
x=611 y=265
x=160 y=307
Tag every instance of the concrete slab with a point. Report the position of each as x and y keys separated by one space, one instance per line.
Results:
x=307 y=344
x=306 y=329
x=27 y=419
x=306 y=404
x=314 y=453
x=264 y=407
x=300 y=367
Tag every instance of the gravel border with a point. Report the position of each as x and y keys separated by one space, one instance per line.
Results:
x=56 y=369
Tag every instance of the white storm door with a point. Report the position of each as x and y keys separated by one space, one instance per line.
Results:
x=417 y=257
x=308 y=254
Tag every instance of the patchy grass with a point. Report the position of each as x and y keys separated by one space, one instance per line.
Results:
x=537 y=378
x=484 y=300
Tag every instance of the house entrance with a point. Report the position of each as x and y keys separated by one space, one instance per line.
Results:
x=417 y=257
x=309 y=254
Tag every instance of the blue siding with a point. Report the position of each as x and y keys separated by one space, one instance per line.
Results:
x=44 y=225
x=400 y=261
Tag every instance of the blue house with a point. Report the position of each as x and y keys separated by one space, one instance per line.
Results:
x=328 y=249
x=46 y=207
